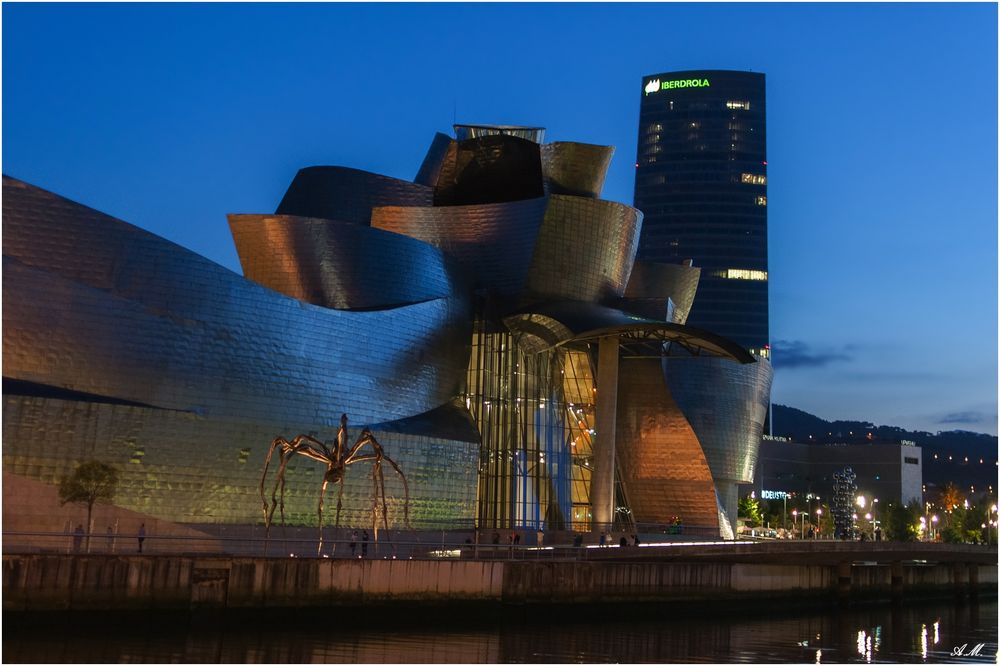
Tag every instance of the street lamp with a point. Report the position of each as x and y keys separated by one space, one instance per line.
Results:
x=861 y=501
x=874 y=520
x=923 y=527
x=819 y=512
x=934 y=520
x=868 y=517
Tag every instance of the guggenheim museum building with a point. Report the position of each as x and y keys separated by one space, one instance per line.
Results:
x=489 y=322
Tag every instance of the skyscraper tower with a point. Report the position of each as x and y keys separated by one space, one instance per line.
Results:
x=701 y=181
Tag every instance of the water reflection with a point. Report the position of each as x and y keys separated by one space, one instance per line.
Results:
x=911 y=633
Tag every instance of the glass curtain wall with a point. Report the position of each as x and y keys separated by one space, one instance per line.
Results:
x=535 y=415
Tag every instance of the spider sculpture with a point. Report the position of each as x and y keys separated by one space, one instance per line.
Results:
x=336 y=462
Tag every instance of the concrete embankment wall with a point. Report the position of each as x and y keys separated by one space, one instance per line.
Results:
x=66 y=582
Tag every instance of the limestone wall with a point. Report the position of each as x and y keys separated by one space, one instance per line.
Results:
x=48 y=582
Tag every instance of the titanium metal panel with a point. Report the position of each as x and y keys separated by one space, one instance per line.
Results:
x=493 y=242
x=340 y=193
x=186 y=468
x=130 y=315
x=674 y=281
x=725 y=403
x=584 y=251
x=337 y=264
x=660 y=461
x=437 y=155
x=577 y=169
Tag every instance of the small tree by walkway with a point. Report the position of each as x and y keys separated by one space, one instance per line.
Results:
x=89 y=483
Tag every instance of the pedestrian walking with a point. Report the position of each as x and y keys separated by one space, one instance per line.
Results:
x=110 y=539
x=354 y=543
x=496 y=538
x=603 y=540
x=141 y=536
x=364 y=544
x=635 y=539
x=623 y=542
x=540 y=535
x=78 y=538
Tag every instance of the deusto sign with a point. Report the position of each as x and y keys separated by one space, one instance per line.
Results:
x=653 y=85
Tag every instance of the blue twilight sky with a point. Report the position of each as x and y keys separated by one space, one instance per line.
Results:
x=882 y=155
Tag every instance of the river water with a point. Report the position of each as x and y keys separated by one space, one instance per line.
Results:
x=928 y=632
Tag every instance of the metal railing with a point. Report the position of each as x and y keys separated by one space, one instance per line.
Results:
x=394 y=544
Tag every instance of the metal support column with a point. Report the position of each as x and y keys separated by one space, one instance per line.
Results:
x=602 y=488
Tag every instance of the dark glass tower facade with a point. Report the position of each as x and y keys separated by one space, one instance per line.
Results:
x=701 y=181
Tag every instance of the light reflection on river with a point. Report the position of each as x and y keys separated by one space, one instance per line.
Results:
x=925 y=632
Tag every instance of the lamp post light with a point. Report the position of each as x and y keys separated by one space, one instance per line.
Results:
x=819 y=512
x=923 y=528
x=934 y=520
x=871 y=524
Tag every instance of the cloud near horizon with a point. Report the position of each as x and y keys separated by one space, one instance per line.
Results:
x=970 y=416
x=798 y=354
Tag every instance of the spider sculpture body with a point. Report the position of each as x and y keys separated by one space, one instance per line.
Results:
x=336 y=460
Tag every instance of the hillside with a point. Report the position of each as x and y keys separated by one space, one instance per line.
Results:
x=967 y=459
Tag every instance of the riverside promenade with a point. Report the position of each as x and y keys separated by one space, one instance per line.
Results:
x=495 y=578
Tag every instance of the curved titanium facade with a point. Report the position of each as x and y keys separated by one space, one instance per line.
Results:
x=437 y=156
x=726 y=404
x=182 y=467
x=338 y=265
x=658 y=282
x=660 y=460
x=584 y=251
x=492 y=242
x=348 y=195
x=131 y=316
x=701 y=181
x=577 y=169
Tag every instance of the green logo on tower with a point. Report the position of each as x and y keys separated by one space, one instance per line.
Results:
x=654 y=85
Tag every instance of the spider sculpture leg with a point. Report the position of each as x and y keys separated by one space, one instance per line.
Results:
x=284 y=454
x=322 y=494
x=279 y=485
x=385 y=506
x=278 y=442
x=406 y=490
x=340 y=497
x=375 y=501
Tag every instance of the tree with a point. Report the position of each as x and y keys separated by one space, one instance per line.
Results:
x=749 y=508
x=89 y=483
x=902 y=523
x=951 y=498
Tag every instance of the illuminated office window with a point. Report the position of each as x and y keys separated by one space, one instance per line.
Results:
x=741 y=274
x=753 y=179
x=731 y=104
x=761 y=201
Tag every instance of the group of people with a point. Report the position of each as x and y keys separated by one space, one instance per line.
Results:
x=79 y=534
x=624 y=542
x=364 y=544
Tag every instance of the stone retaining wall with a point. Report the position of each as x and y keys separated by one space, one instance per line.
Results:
x=65 y=582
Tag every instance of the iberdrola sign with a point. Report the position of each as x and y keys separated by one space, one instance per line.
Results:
x=654 y=84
